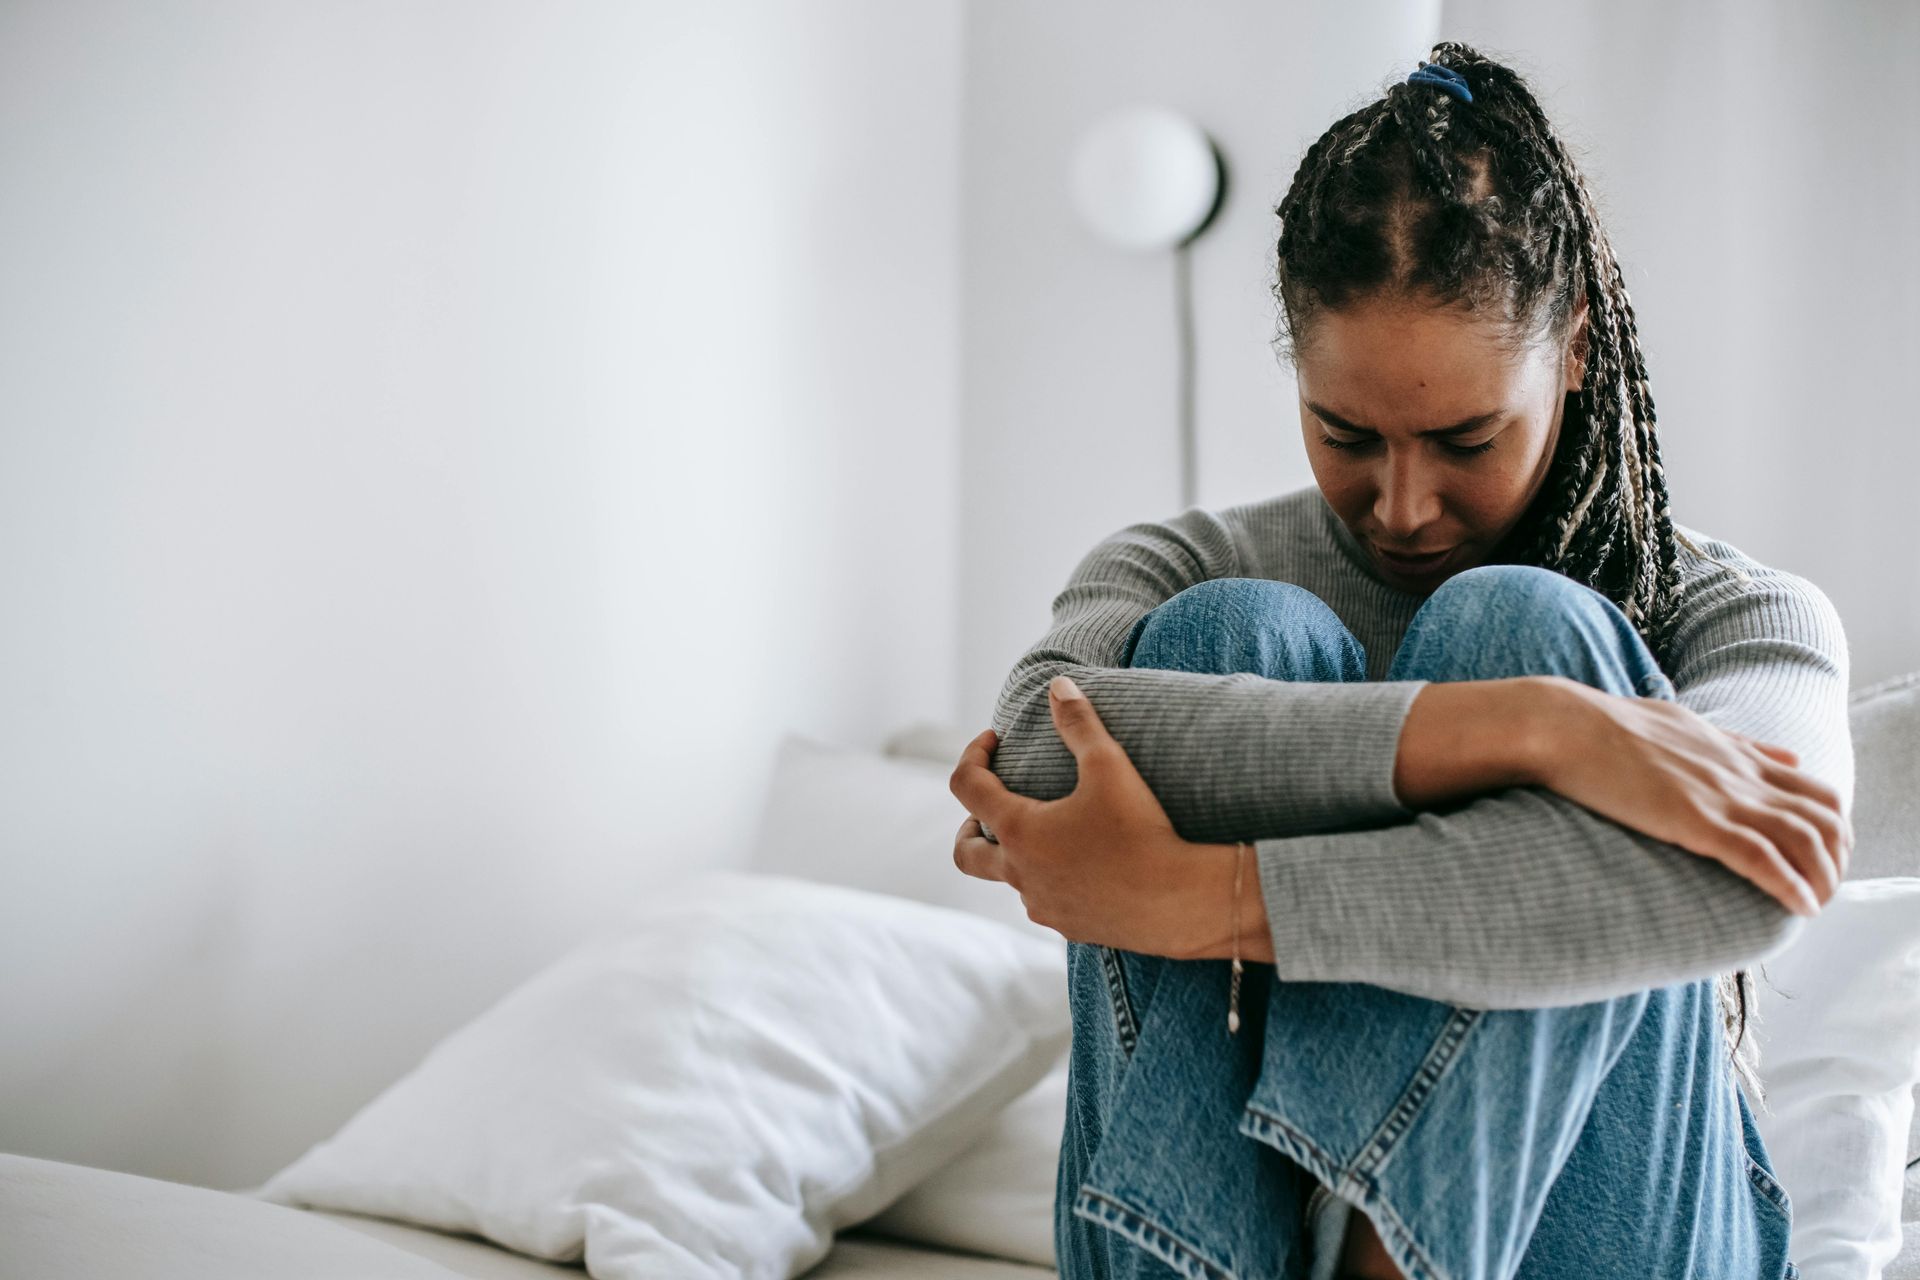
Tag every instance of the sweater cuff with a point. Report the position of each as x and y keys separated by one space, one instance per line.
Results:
x=1356 y=763
x=1313 y=901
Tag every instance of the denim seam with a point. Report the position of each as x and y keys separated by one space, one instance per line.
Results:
x=1768 y=1186
x=1361 y=1182
x=1433 y=1068
x=1123 y=1021
x=1134 y=1226
x=1356 y=1188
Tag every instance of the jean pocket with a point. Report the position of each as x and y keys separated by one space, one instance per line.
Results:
x=1125 y=1026
x=1770 y=1189
x=1774 y=1222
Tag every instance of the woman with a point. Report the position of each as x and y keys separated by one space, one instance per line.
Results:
x=1499 y=777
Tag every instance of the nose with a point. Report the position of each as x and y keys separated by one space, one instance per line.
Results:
x=1407 y=501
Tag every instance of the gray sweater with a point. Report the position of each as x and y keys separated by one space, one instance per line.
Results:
x=1518 y=898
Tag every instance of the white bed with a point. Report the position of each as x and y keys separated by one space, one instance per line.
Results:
x=77 y=1223
x=68 y=1222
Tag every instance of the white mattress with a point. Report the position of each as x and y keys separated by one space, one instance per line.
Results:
x=70 y=1222
x=857 y=1255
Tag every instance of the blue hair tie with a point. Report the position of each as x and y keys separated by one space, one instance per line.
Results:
x=1442 y=78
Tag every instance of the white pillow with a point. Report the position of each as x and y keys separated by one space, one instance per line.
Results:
x=886 y=823
x=997 y=1197
x=750 y=1063
x=1837 y=1026
x=1885 y=720
x=842 y=815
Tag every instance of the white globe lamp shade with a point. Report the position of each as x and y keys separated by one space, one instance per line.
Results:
x=1146 y=178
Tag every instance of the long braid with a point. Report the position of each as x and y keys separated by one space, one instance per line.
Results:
x=1480 y=204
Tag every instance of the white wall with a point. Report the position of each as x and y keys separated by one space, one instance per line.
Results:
x=1757 y=166
x=441 y=446
x=1069 y=407
x=1760 y=171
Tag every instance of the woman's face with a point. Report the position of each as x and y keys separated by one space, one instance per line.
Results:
x=1375 y=377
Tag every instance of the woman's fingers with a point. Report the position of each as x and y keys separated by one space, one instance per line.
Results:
x=1801 y=801
x=1079 y=725
x=1816 y=802
x=975 y=785
x=1749 y=854
x=1772 y=750
x=1792 y=778
x=976 y=855
x=1804 y=845
x=1836 y=831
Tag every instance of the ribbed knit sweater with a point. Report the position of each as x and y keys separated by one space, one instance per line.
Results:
x=1517 y=898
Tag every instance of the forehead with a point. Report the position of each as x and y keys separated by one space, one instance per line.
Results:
x=1396 y=365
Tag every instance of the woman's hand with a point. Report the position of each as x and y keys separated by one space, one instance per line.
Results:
x=1657 y=767
x=1102 y=865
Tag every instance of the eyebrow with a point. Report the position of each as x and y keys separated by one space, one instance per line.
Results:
x=1458 y=428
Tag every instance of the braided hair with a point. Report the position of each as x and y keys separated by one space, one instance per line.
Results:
x=1478 y=205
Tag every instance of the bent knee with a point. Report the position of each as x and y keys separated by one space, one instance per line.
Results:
x=1509 y=589
x=1232 y=601
x=1275 y=629
x=1505 y=620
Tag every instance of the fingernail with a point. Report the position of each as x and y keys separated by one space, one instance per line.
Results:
x=1064 y=688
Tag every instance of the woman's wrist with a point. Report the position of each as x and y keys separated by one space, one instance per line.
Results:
x=1557 y=720
x=1213 y=912
x=1465 y=738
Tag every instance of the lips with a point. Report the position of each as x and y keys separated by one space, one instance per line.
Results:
x=1413 y=564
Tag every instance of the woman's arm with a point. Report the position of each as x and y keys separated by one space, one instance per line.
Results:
x=1236 y=755
x=1227 y=755
x=1521 y=898
x=1525 y=898
x=1462 y=738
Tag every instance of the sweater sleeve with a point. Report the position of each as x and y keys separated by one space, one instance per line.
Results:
x=1228 y=756
x=1522 y=898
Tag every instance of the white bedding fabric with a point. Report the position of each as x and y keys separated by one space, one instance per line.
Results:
x=69 y=1222
x=748 y=1064
x=1837 y=1025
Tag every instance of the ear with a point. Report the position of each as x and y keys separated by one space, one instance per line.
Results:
x=1578 y=346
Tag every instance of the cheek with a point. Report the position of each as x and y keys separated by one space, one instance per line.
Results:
x=1342 y=484
x=1494 y=498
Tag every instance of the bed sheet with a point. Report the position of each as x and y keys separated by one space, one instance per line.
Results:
x=70 y=1222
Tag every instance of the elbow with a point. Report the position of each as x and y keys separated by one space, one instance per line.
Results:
x=1033 y=761
x=1774 y=928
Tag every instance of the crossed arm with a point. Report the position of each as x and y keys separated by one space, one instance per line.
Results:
x=1480 y=882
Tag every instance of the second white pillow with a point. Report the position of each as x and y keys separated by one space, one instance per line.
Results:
x=750 y=1064
x=996 y=1197
x=1837 y=1026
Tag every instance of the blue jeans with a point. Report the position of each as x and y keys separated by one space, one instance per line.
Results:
x=1580 y=1142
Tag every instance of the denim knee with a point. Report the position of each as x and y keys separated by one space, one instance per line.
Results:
x=1225 y=625
x=1504 y=620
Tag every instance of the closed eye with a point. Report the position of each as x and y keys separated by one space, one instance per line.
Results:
x=1460 y=450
